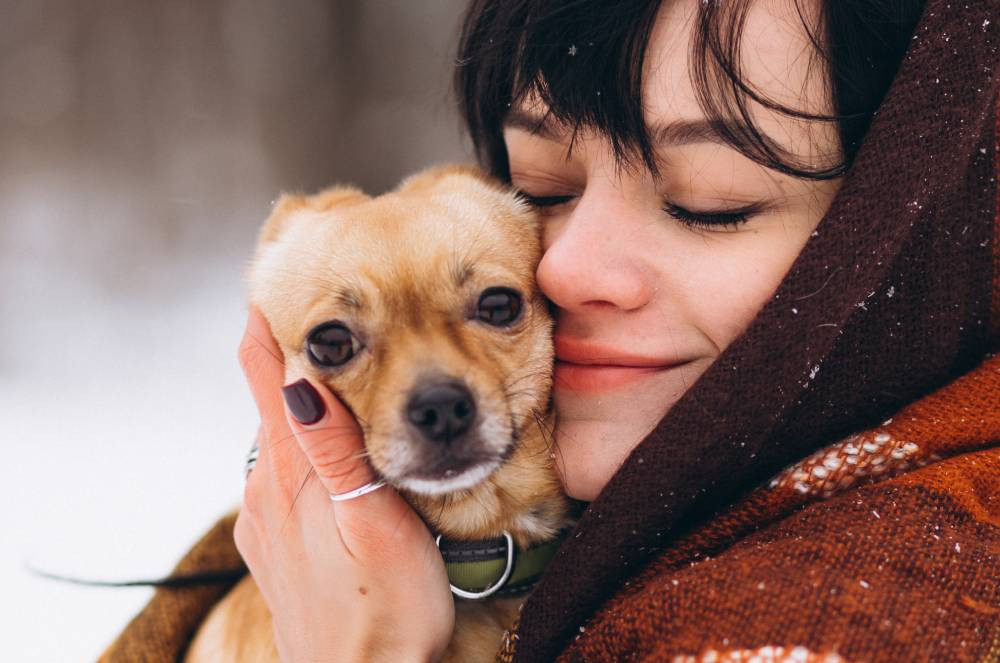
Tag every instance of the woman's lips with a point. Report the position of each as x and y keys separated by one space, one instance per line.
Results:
x=588 y=367
x=598 y=377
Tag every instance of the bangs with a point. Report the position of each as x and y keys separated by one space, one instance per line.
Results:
x=582 y=60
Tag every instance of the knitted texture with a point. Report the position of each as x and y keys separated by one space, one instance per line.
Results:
x=164 y=628
x=837 y=561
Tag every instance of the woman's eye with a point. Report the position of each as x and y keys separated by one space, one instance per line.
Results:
x=545 y=201
x=331 y=344
x=498 y=306
x=713 y=220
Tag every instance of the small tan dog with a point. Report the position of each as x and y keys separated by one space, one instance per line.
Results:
x=419 y=309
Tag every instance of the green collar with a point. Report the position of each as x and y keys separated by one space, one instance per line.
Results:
x=495 y=567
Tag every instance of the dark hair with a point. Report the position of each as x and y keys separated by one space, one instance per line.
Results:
x=513 y=49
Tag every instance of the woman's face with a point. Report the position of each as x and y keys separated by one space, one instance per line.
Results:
x=653 y=278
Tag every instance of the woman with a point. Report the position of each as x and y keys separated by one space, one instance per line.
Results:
x=799 y=299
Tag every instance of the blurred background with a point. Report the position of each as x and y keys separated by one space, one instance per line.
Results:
x=140 y=146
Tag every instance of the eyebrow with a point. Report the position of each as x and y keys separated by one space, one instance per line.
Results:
x=462 y=272
x=670 y=134
x=349 y=298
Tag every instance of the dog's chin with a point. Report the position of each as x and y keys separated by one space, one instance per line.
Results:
x=449 y=483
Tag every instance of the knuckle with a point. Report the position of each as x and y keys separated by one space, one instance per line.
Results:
x=244 y=350
x=244 y=536
x=380 y=543
x=368 y=538
x=252 y=503
x=333 y=463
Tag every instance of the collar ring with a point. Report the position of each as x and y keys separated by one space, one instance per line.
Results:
x=495 y=587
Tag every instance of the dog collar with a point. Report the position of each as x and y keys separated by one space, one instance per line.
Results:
x=495 y=567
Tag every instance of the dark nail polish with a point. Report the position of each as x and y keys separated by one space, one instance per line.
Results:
x=304 y=402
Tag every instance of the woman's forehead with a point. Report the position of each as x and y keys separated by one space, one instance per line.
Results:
x=778 y=62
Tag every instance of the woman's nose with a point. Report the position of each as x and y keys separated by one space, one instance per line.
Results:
x=593 y=257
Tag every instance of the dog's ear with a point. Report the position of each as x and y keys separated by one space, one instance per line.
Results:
x=336 y=196
x=433 y=176
x=323 y=201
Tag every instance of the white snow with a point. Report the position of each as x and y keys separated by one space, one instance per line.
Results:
x=124 y=422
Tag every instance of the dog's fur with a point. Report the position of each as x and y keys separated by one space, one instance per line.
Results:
x=404 y=271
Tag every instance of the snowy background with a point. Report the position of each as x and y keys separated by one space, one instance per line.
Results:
x=140 y=145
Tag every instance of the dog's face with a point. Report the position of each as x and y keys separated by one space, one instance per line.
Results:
x=419 y=309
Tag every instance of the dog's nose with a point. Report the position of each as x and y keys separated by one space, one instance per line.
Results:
x=443 y=412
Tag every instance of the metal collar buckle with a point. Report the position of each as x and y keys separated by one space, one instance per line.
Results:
x=495 y=587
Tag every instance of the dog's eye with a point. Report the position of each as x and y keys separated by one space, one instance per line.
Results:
x=331 y=344
x=499 y=306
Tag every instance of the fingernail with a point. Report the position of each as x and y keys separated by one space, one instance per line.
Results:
x=304 y=402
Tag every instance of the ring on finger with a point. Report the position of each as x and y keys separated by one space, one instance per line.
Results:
x=369 y=487
x=251 y=460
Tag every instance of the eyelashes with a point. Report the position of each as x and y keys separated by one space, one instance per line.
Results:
x=714 y=220
x=709 y=219
x=544 y=201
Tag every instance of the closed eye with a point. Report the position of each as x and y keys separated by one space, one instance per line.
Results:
x=713 y=220
x=545 y=201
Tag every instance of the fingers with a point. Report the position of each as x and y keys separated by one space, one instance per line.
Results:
x=264 y=368
x=329 y=436
x=306 y=428
x=371 y=526
x=282 y=470
x=326 y=430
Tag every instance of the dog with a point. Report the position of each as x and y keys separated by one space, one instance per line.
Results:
x=415 y=303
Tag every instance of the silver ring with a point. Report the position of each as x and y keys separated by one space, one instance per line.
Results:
x=251 y=460
x=369 y=487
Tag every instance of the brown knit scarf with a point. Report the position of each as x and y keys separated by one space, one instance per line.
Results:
x=829 y=490
x=884 y=546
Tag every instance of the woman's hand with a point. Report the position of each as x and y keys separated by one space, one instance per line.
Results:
x=346 y=581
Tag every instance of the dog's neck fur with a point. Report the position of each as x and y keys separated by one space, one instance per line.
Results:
x=501 y=502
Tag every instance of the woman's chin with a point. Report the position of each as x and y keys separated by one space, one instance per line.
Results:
x=589 y=452
x=596 y=432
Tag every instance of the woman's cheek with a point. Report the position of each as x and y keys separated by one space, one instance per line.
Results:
x=737 y=276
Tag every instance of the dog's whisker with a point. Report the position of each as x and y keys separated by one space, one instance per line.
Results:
x=363 y=453
x=347 y=430
x=548 y=438
x=526 y=376
x=548 y=434
x=359 y=455
x=531 y=395
x=311 y=474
